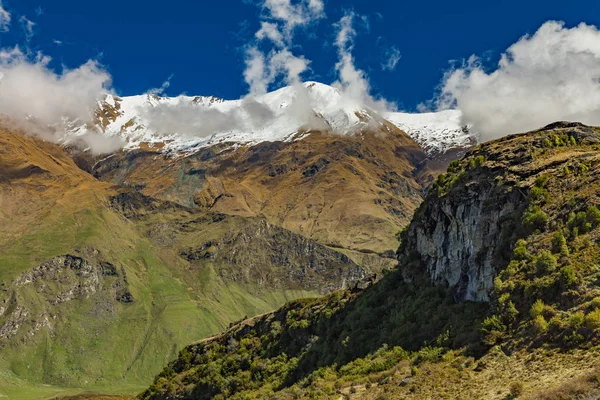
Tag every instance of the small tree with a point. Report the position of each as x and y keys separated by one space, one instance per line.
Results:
x=540 y=325
x=545 y=262
x=559 y=244
x=537 y=309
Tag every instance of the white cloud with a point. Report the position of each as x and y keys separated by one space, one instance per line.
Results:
x=270 y=31
x=270 y=60
x=549 y=76
x=353 y=82
x=45 y=101
x=278 y=24
x=4 y=19
x=392 y=58
x=192 y=121
x=292 y=15
x=27 y=26
x=255 y=73
x=161 y=90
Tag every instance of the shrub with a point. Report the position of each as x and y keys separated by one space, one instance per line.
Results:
x=595 y=303
x=538 y=195
x=454 y=167
x=492 y=329
x=540 y=325
x=556 y=324
x=537 y=309
x=520 y=251
x=592 y=320
x=559 y=244
x=534 y=219
x=585 y=221
x=429 y=354
x=545 y=262
x=516 y=389
x=568 y=277
x=541 y=181
x=477 y=162
x=593 y=216
x=576 y=320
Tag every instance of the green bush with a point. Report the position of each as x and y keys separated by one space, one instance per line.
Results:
x=576 y=320
x=493 y=330
x=454 y=167
x=537 y=309
x=595 y=303
x=592 y=320
x=585 y=221
x=429 y=354
x=477 y=162
x=541 y=181
x=540 y=325
x=520 y=251
x=545 y=262
x=568 y=277
x=534 y=219
x=538 y=195
x=559 y=244
x=593 y=216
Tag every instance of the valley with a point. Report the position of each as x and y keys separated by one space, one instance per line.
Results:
x=112 y=264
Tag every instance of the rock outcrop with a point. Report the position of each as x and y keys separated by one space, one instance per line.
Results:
x=33 y=299
x=466 y=228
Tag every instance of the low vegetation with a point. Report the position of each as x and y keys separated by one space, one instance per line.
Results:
x=404 y=336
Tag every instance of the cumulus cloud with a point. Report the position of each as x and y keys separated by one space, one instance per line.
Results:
x=353 y=82
x=279 y=21
x=270 y=61
x=292 y=15
x=5 y=19
x=270 y=31
x=45 y=102
x=549 y=76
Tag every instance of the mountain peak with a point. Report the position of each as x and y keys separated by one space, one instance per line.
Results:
x=188 y=123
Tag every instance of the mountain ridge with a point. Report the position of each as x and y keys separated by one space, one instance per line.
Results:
x=189 y=123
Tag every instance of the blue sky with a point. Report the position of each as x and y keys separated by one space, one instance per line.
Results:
x=200 y=43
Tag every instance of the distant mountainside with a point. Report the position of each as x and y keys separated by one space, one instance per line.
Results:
x=189 y=123
x=496 y=296
x=110 y=264
x=214 y=211
x=100 y=285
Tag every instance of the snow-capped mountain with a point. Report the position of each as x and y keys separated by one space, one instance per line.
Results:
x=187 y=123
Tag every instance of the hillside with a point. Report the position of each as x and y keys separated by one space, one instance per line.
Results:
x=496 y=296
x=100 y=285
x=355 y=192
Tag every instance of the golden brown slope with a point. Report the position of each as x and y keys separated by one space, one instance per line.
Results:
x=93 y=298
x=347 y=191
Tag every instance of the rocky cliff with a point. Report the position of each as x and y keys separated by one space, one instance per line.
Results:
x=466 y=228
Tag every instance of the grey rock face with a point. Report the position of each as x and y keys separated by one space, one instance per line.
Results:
x=461 y=238
x=34 y=298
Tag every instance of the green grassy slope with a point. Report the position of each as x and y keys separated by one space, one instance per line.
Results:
x=74 y=329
